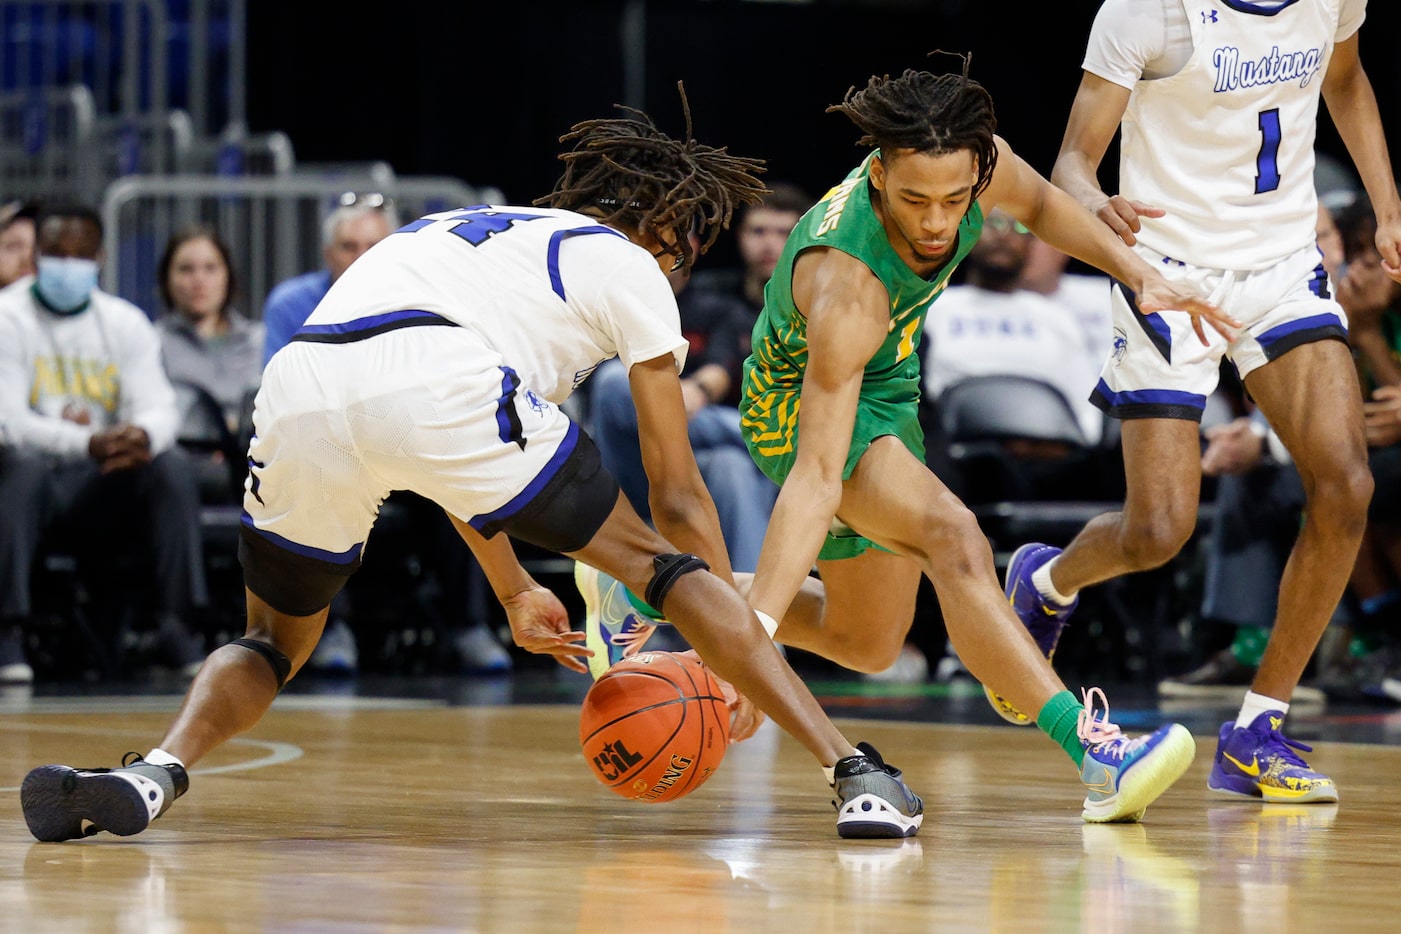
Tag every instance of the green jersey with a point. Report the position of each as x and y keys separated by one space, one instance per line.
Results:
x=890 y=388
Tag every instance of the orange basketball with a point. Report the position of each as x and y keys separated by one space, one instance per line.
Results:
x=655 y=726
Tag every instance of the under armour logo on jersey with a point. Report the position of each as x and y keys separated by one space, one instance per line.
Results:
x=1209 y=16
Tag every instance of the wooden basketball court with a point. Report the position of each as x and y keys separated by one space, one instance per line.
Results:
x=366 y=814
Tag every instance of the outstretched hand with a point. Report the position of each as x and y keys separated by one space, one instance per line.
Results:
x=540 y=624
x=1161 y=295
x=745 y=718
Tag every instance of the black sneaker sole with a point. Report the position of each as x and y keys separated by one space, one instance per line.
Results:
x=58 y=800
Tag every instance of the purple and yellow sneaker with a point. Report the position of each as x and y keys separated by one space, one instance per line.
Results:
x=1044 y=620
x=1259 y=761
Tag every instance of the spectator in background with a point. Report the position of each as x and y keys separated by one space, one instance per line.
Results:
x=1086 y=295
x=710 y=389
x=1372 y=299
x=718 y=311
x=358 y=223
x=762 y=230
x=89 y=418
x=990 y=325
x=210 y=346
x=17 y=241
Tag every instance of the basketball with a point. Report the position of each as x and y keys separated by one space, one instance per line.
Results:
x=655 y=726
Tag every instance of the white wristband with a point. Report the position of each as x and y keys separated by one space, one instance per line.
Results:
x=768 y=622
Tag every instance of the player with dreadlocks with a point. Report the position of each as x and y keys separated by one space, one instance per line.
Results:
x=840 y=333
x=437 y=364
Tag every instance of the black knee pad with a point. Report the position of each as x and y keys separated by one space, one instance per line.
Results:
x=666 y=569
x=281 y=665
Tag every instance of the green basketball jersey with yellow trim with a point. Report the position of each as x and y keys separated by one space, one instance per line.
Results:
x=773 y=373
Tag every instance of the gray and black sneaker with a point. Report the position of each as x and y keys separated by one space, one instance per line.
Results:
x=874 y=800
x=61 y=803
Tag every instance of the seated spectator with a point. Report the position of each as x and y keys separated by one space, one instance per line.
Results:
x=88 y=422
x=718 y=310
x=1085 y=294
x=17 y=241
x=1372 y=298
x=743 y=496
x=358 y=223
x=760 y=233
x=987 y=325
x=209 y=345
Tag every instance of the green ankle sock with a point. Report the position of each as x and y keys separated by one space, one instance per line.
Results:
x=1249 y=645
x=642 y=607
x=1060 y=720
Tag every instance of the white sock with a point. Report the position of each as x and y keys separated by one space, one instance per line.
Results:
x=1256 y=704
x=1041 y=579
x=159 y=756
x=768 y=622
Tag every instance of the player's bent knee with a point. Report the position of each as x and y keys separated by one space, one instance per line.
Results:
x=666 y=570
x=280 y=664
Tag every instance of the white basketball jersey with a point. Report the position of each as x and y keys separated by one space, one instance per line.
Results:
x=555 y=293
x=1226 y=145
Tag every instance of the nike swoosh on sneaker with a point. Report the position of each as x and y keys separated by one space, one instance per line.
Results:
x=1105 y=786
x=1041 y=601
x=1252 y=769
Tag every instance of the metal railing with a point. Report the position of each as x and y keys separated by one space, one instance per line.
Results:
x=272 y=224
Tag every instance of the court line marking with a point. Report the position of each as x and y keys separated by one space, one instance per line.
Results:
x=276 y=754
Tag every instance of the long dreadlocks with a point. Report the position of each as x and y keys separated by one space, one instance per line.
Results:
x=934 y=114
x=639 y=177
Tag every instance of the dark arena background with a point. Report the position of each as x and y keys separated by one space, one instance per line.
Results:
x=482 y=91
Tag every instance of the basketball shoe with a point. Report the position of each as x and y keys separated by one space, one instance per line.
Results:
x=874 y=799
x=61 y=803
x=1042 y=619
x=613 y=626
x=1123 y=776
x=1258 y=761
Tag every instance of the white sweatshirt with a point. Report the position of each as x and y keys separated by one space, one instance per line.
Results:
x=104 y=361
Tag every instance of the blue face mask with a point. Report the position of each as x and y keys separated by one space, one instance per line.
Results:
x=66 y=283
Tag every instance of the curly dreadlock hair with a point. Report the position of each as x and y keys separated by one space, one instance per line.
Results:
x=935 y=114
x=643 y=179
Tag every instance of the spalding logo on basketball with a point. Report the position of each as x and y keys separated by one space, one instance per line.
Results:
x=655 y=726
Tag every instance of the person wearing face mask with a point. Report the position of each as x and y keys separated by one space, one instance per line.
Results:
x=87 y=453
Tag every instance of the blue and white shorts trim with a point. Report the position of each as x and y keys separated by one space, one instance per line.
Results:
x=1158 y=367
x=341 y=421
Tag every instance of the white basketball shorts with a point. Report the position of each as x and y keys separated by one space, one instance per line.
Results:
x=340 y=424
x=1159 y=369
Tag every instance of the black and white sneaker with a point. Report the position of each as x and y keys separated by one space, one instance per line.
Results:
x=61 y=803
x=874 y=801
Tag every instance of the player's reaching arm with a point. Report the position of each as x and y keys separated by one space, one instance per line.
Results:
x=539 y=622
x=681 y=505
x=1352 y=105
x=1058 y=219
x=848 y=316
x=1094 y=119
